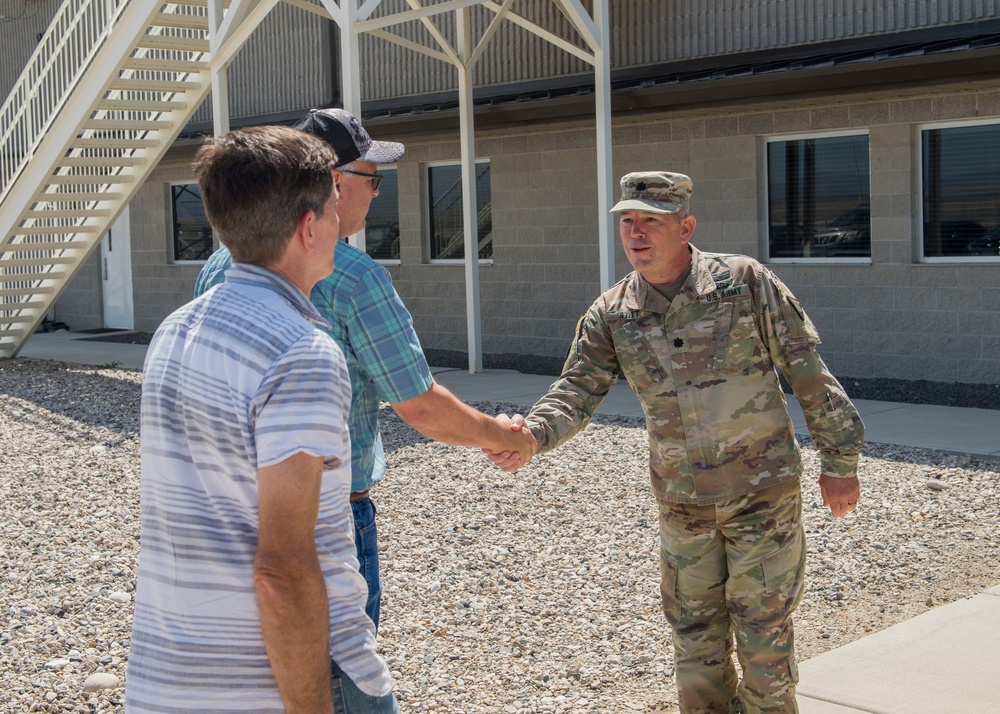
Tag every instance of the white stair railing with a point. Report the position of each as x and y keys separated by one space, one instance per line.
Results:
x=109 y=87
x=75 y=35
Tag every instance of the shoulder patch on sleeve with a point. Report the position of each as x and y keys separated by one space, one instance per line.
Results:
x=800 y=327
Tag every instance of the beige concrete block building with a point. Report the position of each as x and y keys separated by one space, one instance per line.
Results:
x=856 y=153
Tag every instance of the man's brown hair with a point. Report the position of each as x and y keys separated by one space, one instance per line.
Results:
x=256 y=184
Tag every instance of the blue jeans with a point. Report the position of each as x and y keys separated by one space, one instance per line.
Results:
x=348 y=699
x=366 y=540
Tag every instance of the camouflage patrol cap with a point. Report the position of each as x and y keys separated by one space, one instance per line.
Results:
x=655 y=191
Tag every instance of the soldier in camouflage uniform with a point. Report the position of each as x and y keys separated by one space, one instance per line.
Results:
x=698 y=336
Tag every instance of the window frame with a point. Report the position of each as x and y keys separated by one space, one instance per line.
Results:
x=382 y=169
x=765 y=232
x=425 y=229
x=172 y=227
x=918 y=199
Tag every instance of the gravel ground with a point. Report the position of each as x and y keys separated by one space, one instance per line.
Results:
x=527 y=592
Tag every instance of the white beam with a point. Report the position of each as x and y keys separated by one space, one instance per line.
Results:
x=233 y=35
x=463 y=24
x=417 y=13
x=544 y=34
x=230 y=20
x=605 y=179
x=310 y=7
x=435 y=33
x=490 y=31
x=344 y=15
x=411 y=45
x=366 y=10
x=219 y=73
x=350 y=56
x=355 y=16
x=577 y=14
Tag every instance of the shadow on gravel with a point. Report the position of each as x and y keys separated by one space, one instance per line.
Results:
x=93 y=396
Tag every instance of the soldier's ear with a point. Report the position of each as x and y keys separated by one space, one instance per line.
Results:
x=687 y=227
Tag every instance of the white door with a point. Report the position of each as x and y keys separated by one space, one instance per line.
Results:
x=116 y=275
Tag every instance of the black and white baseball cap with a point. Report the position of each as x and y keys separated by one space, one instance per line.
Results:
x=344 y=133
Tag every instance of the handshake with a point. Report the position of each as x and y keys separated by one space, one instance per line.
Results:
x=518 y=444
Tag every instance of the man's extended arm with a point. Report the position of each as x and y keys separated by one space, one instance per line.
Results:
x=291 y=592
x=590 y=370
x=440 y=415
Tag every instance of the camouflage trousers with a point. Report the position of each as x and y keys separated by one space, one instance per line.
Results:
x=735 y=567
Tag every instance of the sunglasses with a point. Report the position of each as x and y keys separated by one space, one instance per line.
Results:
x=376 y=179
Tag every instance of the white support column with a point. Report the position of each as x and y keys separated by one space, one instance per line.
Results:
x=350 y=77
x=350 y=58
x=220 y=72
x=470 y=209
x=607 y=233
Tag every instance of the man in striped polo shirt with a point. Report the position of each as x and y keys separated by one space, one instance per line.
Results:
x=249 y=597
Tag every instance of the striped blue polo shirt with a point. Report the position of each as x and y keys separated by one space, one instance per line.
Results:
x=371 y=325
x=235 y=381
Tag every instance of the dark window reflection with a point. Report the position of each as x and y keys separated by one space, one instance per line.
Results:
x=818 y=198
x=382 y=227
x=447 y=235
x=961 y=191
x=192 y=233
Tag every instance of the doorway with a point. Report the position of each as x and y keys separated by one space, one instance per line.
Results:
x=116 y=275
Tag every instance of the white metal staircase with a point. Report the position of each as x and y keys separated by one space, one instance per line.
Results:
x=105 y=94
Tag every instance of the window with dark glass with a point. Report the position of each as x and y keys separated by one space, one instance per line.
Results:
x=192 y=236
x=818 y=197
x=961 y=191
x=447 y=234
x=382 y=227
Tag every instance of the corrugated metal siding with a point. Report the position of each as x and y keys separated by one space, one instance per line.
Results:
x=704 y=28
x=651 y=31
x=513 y=55
x=285 y=66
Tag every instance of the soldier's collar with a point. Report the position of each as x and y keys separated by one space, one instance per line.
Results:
x=704 y=281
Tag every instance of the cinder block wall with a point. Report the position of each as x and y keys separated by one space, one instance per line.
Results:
x=544 y=271
x=894 y=317
x=81 y=304
x=159 y=287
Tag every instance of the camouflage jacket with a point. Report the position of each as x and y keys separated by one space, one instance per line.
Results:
x=703 y=367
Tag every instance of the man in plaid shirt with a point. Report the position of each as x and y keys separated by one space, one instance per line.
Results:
x=375 y=331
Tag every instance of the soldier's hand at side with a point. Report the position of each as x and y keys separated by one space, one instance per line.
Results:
x=840 y=494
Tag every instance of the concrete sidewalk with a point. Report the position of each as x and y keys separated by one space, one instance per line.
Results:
x=952 y=429
x=944 y=661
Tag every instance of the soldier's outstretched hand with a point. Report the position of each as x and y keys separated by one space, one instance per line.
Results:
x=526 y=445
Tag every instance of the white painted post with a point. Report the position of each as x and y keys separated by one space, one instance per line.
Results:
x=220 y=71
x=470 y=210
x=605 y=179
x=350 y=76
